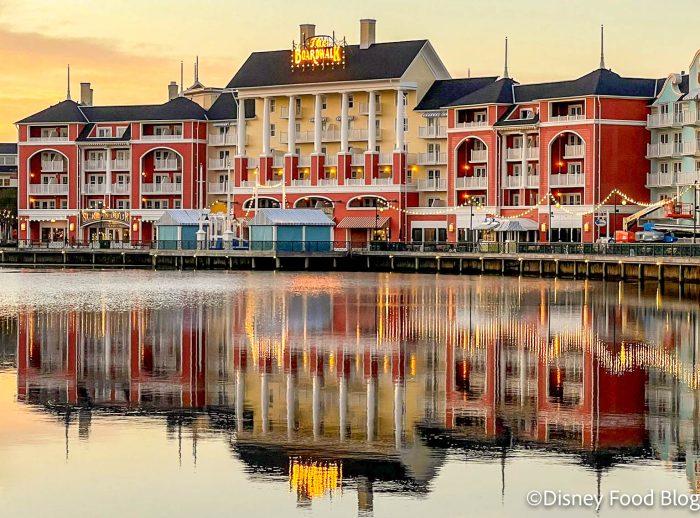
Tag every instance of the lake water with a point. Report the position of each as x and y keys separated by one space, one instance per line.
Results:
x=139 y=393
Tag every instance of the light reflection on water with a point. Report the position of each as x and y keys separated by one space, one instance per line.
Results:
x=345 y=393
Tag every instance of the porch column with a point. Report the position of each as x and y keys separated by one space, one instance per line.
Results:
x=108 y=178
x=291 y=127
x=523 y=166
x=240 y=149
x=344 y=122
x=266 y=127
x=371 y=122
x=400 y=117
x=318 y=105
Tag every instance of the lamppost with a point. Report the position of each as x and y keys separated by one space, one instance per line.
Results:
x=695 y=210
x=377 y=210
x=549 y=227
x=228 y=232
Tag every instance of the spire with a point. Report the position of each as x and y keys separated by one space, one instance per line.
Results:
x=68 y=91
x=505 y=69
x=196 y=70
x=469 y=73
x=602 y=46
x=182 y=77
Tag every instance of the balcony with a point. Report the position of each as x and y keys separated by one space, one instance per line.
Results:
x=169 y=137
x=219 y=163
x=659 y=179
x=121 y=188
x=305 y=161
x=386 y=159
x=666 y=120
x=253 y=163
x=471 y=182
x=355 y=134
x=161 y=188
x=432 y=184
x=49 y=139
x=121 y=165
x=472 y=124
x=94 y=188
x=432 y=132
x=664 y=149
x=327 y=182
x=432 y=158
x=167 y=164
x=355 y=181
x=691 y=148
x=300 y=137
x=514 y=153
x=330 y=135
x=357 y=159
x=53 y=166
x=95 y=165
x=301 y=182
x=478 y=155
x=277 y=161
x=568 y=118
x=573 y=151
x=331 y=160
x=382 y=180
x=364 y=108
x=687 y=178
x=566 y=180
x=228 y=139
x=532 y=181
x=216 y=188
x=533 y=153
x=512 y=182
x=299 y=112
x=60 y=189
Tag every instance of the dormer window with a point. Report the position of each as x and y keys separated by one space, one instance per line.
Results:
x=161 y=130
x=121 y=130
x=575 y=109
x=104 y=132
x=480 y=117
x=526 y=113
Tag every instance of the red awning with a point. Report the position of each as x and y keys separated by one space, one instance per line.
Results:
x=364 y=222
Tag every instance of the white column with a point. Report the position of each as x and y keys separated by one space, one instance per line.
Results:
x=343 y=403
x=291 y=127
x=264 y=402
x=317 y=123
x=371 y=122
x=240 y=399
x=290 y=405
x=398 y=413
x=371 y=408
x=240 y=151
x=316 y=406
x=400 y=116
x=523 y=164
x=344 y=122
x=108 y=171
x=266 y=127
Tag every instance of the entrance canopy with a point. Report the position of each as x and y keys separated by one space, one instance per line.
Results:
x=508 y=225
x=364 y=222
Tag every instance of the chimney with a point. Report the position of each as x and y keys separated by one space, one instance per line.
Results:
x=173 y=90
x=85 y=94
x=306 y=30
x=367 y=33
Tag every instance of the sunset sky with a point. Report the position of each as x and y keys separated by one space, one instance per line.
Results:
x=130 y=49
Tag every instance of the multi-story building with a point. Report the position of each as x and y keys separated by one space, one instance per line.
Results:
x=674 y=150
x=8 y=165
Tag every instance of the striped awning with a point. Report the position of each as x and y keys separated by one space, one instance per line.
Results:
x=364 y=222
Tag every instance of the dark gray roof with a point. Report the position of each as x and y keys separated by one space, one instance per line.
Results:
x=8 y=168
x=497 y=92
x=226 y=108
x=380 y=61
x=8 y=148
x=295 y=217
x=602 y=82
x=85 y=135
x=179 y=108
x=506 y=122
x=444 y=91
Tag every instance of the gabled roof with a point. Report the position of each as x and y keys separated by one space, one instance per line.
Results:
x=296 y=217
x=226 y=108
x=505 y=121
x=497 y=92
x=85 y=135
x=180 y=217
x=444 y=91
x=65 y=111
x=379 y=61
x=8 y=148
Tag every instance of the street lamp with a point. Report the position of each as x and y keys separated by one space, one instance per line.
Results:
x=695 y=210
x=228 y=233
x=377 y=210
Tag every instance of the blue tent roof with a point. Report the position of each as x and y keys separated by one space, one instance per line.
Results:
x=298 y=217
x=180 y=217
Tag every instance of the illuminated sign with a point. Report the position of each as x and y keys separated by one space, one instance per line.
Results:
x=318 y=52
x=108 y=216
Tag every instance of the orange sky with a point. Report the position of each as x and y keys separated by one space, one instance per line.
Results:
x=129 y=50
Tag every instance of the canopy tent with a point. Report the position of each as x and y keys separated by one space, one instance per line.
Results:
x=364 y=222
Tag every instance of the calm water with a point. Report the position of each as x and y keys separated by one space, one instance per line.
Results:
x=281 y=394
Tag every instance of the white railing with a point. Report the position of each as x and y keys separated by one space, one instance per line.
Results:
x=121 y=165
x=299 y=112
x=121 y=188
x=386 y=158
x=432 y=131
x=659 y=120
x=359 y=134
x=573 y=151
x=331 y=160
x=163 y=138
x=167 y=164
x=219 y=163
x=305 y=161
x=514 y=153
x=533 y=153
x=432 y=184
x=94 y=188
x=354 y=181
x=688 y=178
x=277 y=161
x=248 y=183
x=691 y=148
x=95 y=165
x=567 y=118
x=300 y=137
x=364 y=108
x=330 y=135
x=385 y=180
x=660 y=149
x=532 y=180
x=478 y=155
x=161 y=188
x=216 y=188
x=659 y=179
x=327 y=182
x=253 y=162
x=302 y=182
x=471 y=182
x=48 y=188
x=54 y=138
x=473 y=124
x=53 y=166
x=432 y=158
x=229 y=139
x=512 y=181
x=357 y=159
x=566 y=180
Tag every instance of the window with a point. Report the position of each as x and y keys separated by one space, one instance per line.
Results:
x=64 y=204
x=161 y=130
x=480 y=171
x=297 y=104
x=434 y=202
x=405 y=98
x=570 y=198
x=351 y=101
x=697 y=166
x=663 y=168
x=122 y=204
x=480 y=117
x=676 y=167
x=575 y=109
x=515 y=199
x=573 y=140
x=297 y=151
x=177 y=204
x=94 y=204
x=517 y=142
x=123 y=179
x=121 y=130
x=122 y=154
x=433 y=174
x=273 y=130
x=405 y=124
x=663 y=138
x=272 y=105
x=96 y=156
x=323 y=150
x=526 y=113
x=324 y=102
x=378 y=125
x=104 y=132
x=178 y=178
x=574 y=168
x=517 y=169
x=479 y=199
x=297 y=127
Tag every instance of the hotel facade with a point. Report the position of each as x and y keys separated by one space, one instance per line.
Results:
x=378 y=135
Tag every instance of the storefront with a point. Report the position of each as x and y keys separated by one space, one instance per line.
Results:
x=105 y=226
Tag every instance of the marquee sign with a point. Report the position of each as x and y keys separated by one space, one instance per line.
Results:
x=318 y=52
x=108 y=216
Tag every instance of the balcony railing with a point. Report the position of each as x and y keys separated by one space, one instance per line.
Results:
x=514 y=153
x=327 y=182
x=382 y=180
x=301 y=182
x=216 y=188
x=566 y=180
x=53 y=138
x=95 y=165
x=573 y=151
x=691 y=148
x=121 y=188
x=163 y=138
x=567 y=118
x=354 y=181
x=358 y=134
x=161 y=188
x=277 y=161
x=220 y=163
x=94 y=188
x=659 y=179
x=298 y=112
x=532 y=181
x=357 y=159
x=228 y=139
x=167 y=164
x=121 y=165
x=48 y=188
x=665 y=120
x=471 y=182
x=300 y=137
x=364 y=108
x=533 y=153
x=478 y=155
x=432 y=131
x=305 y=161
x=664 y=149
x=386 y=158
x=432 y=184
x=432 y=158
x=330 y=135
x=472 y=124
x=511 y=181
x=253 y=162
x=688 y=178
x=53 y=166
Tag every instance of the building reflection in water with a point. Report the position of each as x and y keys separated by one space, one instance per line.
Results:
x=350 y=387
